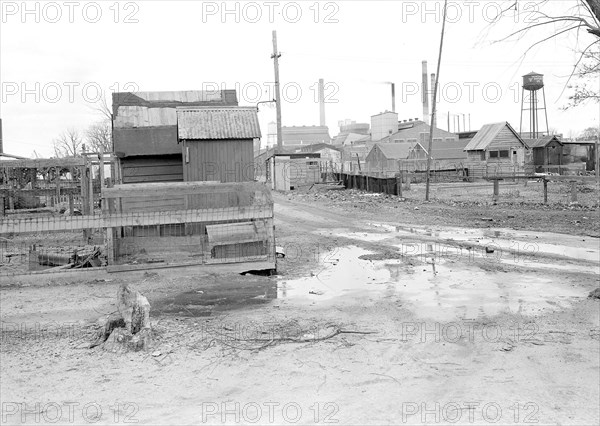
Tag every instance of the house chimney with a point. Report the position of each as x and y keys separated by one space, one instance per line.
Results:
x=322 y=101
x=432 y=90
x=425 y=91
x=393 y=97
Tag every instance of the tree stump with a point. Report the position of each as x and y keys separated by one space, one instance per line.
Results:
x=129 y=329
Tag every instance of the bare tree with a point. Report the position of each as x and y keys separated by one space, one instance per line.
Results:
x=68 y=144
x=580 y=18
x=591 y=133
x=587 y=74
x=102 y=107
x=99 y=135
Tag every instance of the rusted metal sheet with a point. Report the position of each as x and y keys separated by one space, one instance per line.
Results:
x=139 y=116
x=146 y=141
x=175 y=99
x=217 y=123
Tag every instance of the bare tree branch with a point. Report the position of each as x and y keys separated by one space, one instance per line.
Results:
x=99 y=135
x=68 y=144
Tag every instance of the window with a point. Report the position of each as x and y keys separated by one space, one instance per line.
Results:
x=482 y=155
x=493 y=154
x=504 y=154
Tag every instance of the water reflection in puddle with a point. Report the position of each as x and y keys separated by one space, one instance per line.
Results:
x=452 y=292
x=528 y=243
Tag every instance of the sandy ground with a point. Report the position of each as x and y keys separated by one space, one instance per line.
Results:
x=381 y=314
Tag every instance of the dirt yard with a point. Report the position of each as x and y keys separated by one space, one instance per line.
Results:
x=384 y=311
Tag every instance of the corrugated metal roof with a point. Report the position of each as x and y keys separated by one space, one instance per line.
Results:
x=218 y=123
x=541 y=142
x=395 y=151
x=487 y=134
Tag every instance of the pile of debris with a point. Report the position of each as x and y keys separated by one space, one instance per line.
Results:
x=55 y=258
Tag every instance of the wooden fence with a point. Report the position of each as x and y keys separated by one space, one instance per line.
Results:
x=143 y=226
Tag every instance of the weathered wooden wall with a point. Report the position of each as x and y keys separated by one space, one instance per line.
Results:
x=218 y=160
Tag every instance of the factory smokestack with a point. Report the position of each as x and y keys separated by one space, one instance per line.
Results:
x=393 y=97
x=432 y=90
x=322 y=101
x=425 y=91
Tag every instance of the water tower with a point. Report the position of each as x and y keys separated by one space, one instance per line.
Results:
x=532 y=84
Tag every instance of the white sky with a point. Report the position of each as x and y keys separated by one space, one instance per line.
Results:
x=178 y=45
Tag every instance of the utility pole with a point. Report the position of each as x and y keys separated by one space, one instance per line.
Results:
x=433 y=111
x=275 y=56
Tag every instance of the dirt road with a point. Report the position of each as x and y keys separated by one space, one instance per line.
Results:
x=373 y=319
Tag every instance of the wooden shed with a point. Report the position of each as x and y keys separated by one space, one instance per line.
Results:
x=498 y=145
x=547 y=153
x=218 y=143
x=145 y=131
x=385 y=157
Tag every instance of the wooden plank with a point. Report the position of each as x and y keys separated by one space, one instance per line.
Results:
x=229 y=233
x=153 y=169
x=181 y=188
x=219 y=267
x=69 y=223
x=44 y=163
x=153 y=178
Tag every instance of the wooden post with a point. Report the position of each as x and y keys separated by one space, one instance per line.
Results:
x=573 y=191
x=57 y=171
x=2 y=206
x=496 y=189
x=545 y=191
x=71 y=206
x=85 y=193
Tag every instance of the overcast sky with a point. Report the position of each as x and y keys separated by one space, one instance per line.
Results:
x=50 y=54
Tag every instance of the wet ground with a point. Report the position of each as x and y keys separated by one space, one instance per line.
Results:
x=334 y=335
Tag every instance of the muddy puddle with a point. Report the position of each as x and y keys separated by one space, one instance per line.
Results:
x=210 y=299
x=508 y=241
x=430 y=290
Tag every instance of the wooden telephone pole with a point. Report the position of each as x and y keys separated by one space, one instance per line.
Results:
x=434 y=109
x=275 y=56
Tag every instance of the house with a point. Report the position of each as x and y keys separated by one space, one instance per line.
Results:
x=331 y=156
x=417 y=131
x=217 y=143
x=305 y=135
x=145 y=131
x=293 y=170
x=389 y=158
x=547 y=153
x=499 y=147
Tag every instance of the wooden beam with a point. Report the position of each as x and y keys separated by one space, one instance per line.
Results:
x=73 y=223
x=41 y=163
x=179 y=188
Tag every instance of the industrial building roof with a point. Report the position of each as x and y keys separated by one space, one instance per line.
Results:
x=318 y=146
x=305 y=135
x=542 y=142
x=487 y=134
x=395 y=151
x=218 y=123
